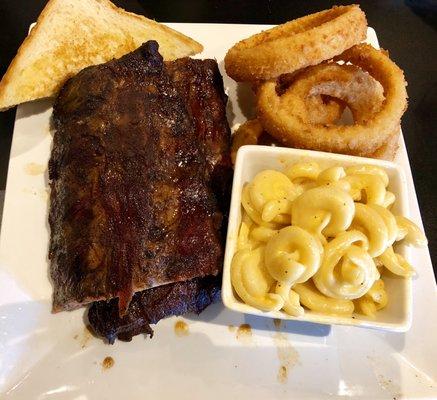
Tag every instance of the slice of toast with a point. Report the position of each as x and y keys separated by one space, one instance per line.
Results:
x=73 y=34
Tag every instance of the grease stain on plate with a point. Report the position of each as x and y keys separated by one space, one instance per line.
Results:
x=34 y=169
x=43 y=194
x=107 y=363
x=282 y=374
x=244 y=333
x=385 y=383
x=48 y=130
x=287 y=355
x=231 y=328
x=181 y=328
x=277 y=322
x=282 y=160
x=30 y=191
x=86 y=336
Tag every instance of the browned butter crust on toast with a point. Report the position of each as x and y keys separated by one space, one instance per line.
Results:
x=140 y=176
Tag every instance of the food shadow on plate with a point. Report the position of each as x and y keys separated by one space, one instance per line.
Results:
x=34 y=107
x=230 y=115
x=47 y=211
x=220 y=315
x=228 y=84
x=246 y=99
x=244 y=95
x=31 y=122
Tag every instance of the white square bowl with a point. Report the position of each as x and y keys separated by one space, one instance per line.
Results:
x=396 y=317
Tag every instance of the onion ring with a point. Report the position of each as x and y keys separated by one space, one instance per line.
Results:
x=296 y=44
x=248 y=133
x=252 y=132
x=320 y=108
x=388 y=150
x=362 y=93
x=357 y=139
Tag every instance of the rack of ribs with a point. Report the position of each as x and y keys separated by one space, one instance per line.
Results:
x=140 y=177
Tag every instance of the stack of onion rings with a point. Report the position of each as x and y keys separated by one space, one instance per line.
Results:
x=302 y=91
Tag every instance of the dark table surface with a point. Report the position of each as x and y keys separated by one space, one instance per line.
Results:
x=406 y=28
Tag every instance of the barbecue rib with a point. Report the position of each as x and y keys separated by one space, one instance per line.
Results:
x=151 y=305
x=140 y=176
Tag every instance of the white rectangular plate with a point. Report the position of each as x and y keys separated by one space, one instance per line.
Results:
x=52 y=356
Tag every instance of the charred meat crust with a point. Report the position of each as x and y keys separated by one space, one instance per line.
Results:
x=149 y=306
x=140 y=178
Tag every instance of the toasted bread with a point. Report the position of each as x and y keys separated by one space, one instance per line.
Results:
x=73 y=34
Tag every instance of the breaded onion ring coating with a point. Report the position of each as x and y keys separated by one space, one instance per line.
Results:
x=363 y=94
x=247 y=133
x=388 y=150
x=296 y=44
x=321 y=110
x=361 y=138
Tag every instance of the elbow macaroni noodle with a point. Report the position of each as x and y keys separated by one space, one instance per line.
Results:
x=311 y=298
x=252 y=282
x=370 y=222
x=375 y=299
x=320 y=239
x=324 y=211
x=410 y=232
x=356 y=270
x=372 y=186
